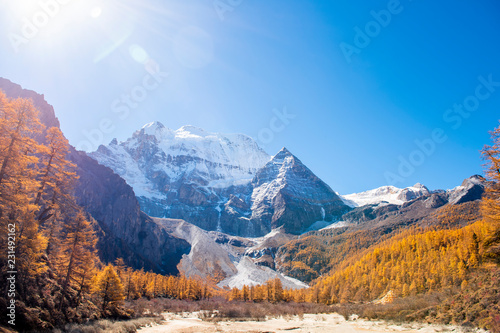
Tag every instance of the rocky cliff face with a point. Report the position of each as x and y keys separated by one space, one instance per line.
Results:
x=286 y=193
x=220 y=182
x=127 y=232
x=123 y=230
x=471 y=189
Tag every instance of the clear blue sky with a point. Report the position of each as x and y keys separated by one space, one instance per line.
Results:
x=231 y=63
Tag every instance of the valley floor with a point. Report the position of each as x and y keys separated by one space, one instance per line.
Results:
x=312 y=323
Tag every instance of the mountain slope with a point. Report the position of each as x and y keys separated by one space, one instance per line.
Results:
x=229 y=261
x=123 y=230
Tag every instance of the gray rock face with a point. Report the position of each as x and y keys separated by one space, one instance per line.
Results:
x=127 y=232
x=286 y=193
x=123 y=230
x=412 y=193
x=471 y=189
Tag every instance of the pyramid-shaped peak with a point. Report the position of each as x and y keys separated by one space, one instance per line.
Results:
x=284 y=150
x=283 y=153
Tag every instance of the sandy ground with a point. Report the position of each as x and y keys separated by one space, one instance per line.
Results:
x=334 y=323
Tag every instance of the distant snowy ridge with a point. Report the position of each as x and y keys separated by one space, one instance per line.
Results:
x=385 y=195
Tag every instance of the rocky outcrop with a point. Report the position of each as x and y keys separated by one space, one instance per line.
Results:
x=47 y=115
x=471 y=189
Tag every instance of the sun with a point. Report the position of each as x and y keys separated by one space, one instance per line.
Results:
x=42 y=13
x=93 y=29
x=53 y=22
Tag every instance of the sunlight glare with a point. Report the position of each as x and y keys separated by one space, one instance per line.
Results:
x=96 y=12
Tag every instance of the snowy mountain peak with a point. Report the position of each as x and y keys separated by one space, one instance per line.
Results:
x=153 y=125
x=222 y=182
x=282 y=153
x=192 y=131
x=154 y=128
x=284 y=158
x=155 y=157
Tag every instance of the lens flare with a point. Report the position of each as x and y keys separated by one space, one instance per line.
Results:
x=138 y=54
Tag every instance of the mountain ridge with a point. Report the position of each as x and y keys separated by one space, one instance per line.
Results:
x=222 y=182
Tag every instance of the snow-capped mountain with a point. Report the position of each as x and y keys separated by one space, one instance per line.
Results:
x=386 y=194
x=222 y=182
x=155 y=157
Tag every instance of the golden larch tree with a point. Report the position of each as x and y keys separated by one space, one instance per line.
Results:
x=109 y=289
x=490 y=207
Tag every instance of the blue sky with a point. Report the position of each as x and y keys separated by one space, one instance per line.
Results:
x=380 y=113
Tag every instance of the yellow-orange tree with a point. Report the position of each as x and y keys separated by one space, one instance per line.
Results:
x=490 y=207
x=19 y=125
x=109 y=289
